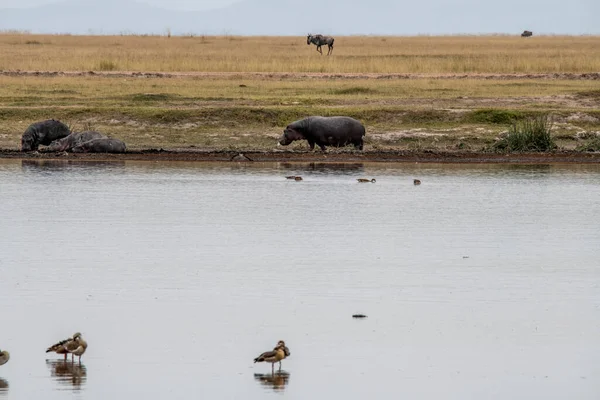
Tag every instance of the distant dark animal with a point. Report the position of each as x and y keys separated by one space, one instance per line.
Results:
x=526 y=34
x=325 y=131
x=320 y=40
x=43 y=132
x=363 y=180
x=359 y=316
x=103 y=145
x=73 y=140
x=416 y=182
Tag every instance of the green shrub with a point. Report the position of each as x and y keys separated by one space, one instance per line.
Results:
x=531 y=134
x=502 y=117
x=591 y=146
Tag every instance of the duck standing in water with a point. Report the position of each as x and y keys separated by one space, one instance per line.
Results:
x=363 y=180
x=81 y=346
x=276 y=355
x=67 y=346
x=4 y=357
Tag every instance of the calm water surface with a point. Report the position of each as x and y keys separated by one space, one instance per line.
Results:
x=481 y=283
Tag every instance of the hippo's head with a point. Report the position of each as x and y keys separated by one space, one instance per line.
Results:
x=289 y=135
x=28 y=143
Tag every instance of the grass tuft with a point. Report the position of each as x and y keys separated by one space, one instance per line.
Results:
x=591 y=146
x=106 y=65
x=354 y=90
x=531 y=134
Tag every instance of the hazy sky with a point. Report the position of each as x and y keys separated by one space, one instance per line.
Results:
x=171 y=4
x=297 y=17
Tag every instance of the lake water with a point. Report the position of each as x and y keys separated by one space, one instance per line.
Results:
x=482 y=282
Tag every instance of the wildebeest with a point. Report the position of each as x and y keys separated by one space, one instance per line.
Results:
x=526 y=34
x=43 y=132
x=320 y=40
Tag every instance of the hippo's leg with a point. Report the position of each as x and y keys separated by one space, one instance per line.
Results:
x=311 y=144
x=322 y=146
x=358 y=144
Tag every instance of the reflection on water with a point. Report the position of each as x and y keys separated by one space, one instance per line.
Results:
x=323 y=167
x=180 y=271
x=68 y=373
x=55 y=165
x=276 y=381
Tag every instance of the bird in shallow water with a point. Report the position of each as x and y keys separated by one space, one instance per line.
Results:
x=285 y=349
x=67 y=346
x=81 y=347
x=363 y=180
x=416 y=181
x=4 y=357
x=276 y=355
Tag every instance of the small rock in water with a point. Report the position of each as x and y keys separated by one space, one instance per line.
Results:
x=359 y=316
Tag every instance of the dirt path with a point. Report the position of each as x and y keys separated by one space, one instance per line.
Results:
x=302 y=75
x=344 y=157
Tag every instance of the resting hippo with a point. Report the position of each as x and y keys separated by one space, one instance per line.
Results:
x=43 y=132
x=103 y=145
x=325 y=131
x=74 y=139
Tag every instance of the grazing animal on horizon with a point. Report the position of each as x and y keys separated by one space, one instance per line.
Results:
x=320 y=40
x=416 y=181
x=279 y=353
x=363 y=180
x=526 y=34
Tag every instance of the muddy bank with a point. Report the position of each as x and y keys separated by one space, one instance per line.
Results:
x=426 y=156
x=303 y=75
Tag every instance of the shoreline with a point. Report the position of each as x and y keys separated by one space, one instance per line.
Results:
x=592 y=76
x=396 y=156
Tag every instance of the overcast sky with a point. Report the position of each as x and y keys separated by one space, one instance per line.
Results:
x=194 y=5
x=296 y=17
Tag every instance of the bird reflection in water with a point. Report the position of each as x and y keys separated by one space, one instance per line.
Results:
x=3 y=387
x=277 y=380
x=68 y=373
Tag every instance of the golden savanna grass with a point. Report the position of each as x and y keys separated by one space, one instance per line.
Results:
x=240 y=110
x=421 y=54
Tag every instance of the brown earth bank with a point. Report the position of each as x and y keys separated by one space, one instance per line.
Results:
x=301 y=75
x=424 y=156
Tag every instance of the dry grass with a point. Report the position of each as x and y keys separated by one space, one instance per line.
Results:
x=244 y=113
x=459 y=54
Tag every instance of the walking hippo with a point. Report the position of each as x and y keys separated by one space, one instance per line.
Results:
x=73 y=140
x=43 y=132
x=103 y=145
x=325 y=131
